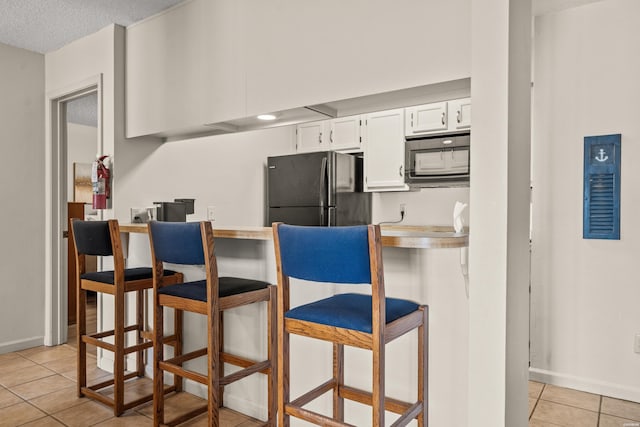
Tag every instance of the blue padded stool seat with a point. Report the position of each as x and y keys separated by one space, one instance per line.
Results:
x=350 y=311
x=130 y=274
x=227 y=286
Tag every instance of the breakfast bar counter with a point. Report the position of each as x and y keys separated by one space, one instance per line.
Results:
x=398 y=236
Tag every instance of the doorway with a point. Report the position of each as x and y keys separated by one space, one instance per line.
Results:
x=81 y=140
x=74 y=136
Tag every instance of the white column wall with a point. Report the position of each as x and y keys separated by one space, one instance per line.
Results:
x=499 y=218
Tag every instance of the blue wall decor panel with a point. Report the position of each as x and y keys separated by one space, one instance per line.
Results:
x=601 y=207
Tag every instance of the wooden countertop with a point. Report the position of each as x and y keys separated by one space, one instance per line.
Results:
x=398 y=236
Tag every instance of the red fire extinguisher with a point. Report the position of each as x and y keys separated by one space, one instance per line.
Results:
x=101 y=186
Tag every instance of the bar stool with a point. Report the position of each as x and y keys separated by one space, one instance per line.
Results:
x=192 y=244
x=102 y=238
x=344 y=255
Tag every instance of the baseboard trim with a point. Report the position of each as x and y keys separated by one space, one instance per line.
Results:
x=590 y=385
x=11 y=346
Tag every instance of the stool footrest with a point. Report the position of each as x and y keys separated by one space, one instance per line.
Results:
x=238 y=375
x=181 y=372
x=408 y=416
x=111 y=332
x=313 y=417
x=316 y=392
x=242 y=362
x=109 y=382
x=93 y=393
x=184 y=417
x=365 y=397
x=138 y=347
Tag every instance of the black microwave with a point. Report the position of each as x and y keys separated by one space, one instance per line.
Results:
x=438 y=161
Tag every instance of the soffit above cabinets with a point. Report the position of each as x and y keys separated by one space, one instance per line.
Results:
x=346 y=107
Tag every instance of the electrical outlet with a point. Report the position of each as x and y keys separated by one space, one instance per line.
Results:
x=403 y=209
x=636 y=344
x=211 y=213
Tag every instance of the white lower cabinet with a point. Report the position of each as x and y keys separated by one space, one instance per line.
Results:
x=384 y=151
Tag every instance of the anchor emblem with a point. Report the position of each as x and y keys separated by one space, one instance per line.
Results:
x=601 y=157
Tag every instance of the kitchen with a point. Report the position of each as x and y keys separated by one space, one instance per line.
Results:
x=135 y=173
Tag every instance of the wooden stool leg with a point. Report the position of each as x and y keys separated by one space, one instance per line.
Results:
x=213 y=354
x=272 y=346
x=178 y=317
x=283 y=373
x=158 y=355
x=338 y=377
x=423 y=368
x=377 y=402
x=221 y=364
x=140 y=323
x=81 y=331
x=119 y=357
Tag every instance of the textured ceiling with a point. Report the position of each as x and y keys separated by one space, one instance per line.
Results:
x=46 y=25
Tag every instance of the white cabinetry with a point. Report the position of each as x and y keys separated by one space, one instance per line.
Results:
x=438 y=117
x=345 y=133
x=312 y=136
x=460 y=114
x=341 y=134
x=384 y=151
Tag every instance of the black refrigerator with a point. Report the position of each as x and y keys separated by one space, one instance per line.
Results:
x=321 y=188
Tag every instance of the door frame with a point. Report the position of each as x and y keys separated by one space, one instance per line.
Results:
x=56 y=201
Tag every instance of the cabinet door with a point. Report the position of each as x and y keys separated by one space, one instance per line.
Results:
x=345 y=133
x=311 y=137
x=384 y=151
x=426 y=118
x=460 y=114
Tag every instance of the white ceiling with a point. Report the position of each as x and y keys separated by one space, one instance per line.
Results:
x=46 y=25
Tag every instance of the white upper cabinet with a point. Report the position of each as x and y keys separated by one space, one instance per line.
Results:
x=426 y=118
x=341 y=134
x=384 y=151
x=438 y=117
x=344 y=134
x=460 y=114
x=312 y=136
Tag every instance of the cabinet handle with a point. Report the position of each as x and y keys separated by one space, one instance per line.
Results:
x=331 y=136
x=400 y=170
x=320 y=138
x=458 y=114
x=442 y=119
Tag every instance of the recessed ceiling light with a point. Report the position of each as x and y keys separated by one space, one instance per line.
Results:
x=266 y=117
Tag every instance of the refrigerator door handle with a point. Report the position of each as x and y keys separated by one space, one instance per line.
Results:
x=323 y=186
x=331 y=213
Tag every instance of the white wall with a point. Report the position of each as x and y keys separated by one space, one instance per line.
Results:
x=585 y=293
x=82 y=141
x=22 y=195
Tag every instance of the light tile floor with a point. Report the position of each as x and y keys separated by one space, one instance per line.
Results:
x=551 y=406
x=38 y=388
